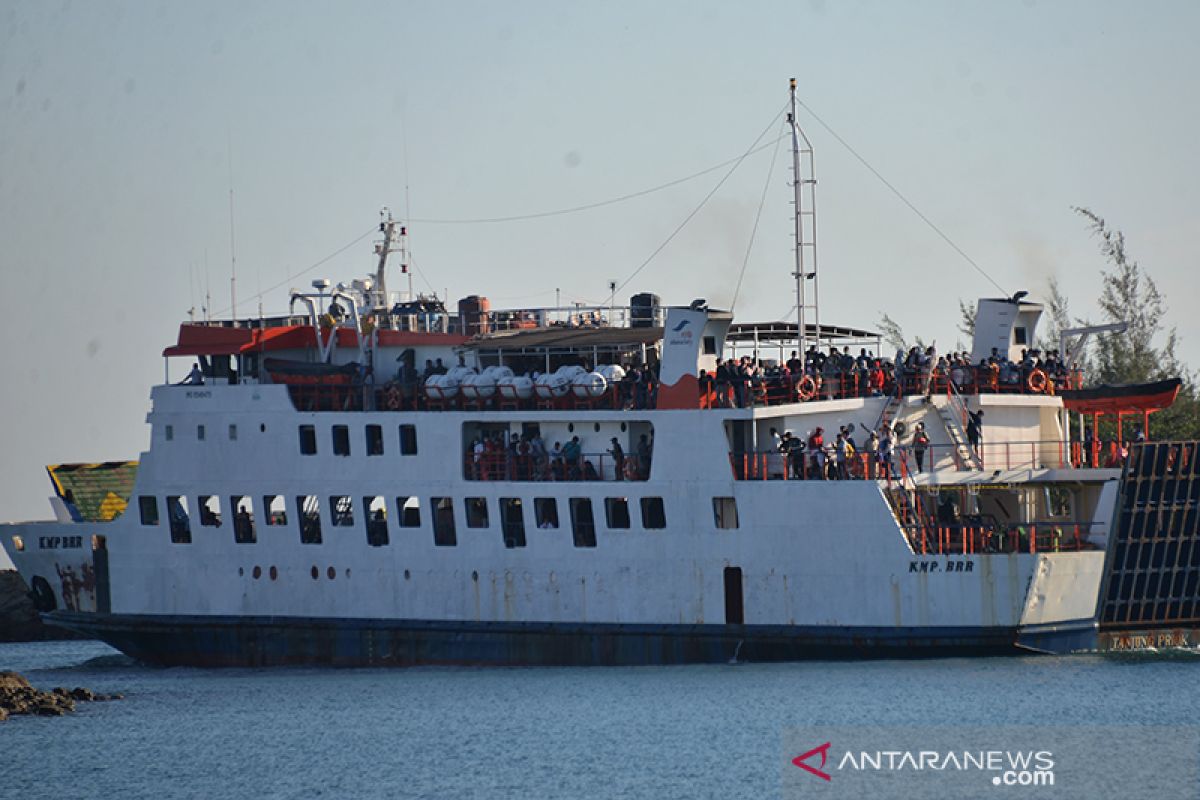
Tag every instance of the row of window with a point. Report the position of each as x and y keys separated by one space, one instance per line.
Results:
x=373 y=440
x=341 y=514
x=373 y=435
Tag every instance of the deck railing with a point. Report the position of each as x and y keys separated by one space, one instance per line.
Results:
x=769 y=390
x=969 y=538
x=503 y=466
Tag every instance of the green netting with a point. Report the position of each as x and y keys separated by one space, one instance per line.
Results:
x=95 y=492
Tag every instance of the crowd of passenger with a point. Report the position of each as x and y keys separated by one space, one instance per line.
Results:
x=525 y=457
x=748 y=381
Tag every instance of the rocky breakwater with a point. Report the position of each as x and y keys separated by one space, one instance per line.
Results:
x=18 y=697
x=19 y=621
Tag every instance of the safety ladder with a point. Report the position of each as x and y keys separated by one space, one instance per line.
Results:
x=953 y=411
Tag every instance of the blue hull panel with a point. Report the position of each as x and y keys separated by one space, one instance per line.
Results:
x=275 y=641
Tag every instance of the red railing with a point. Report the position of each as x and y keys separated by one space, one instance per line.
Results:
x=934 y=538
x=502 y=466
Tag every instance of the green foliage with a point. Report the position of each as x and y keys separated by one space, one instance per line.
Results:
x=1129 y=295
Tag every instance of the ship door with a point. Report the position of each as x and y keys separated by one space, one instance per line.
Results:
x=734 y=614
x=100 y=567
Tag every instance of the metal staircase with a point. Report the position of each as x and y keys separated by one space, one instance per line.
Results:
x=953 y=411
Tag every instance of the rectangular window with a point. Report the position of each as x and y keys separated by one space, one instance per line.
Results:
x=725 y=513
x=408 y=440
x=616 y=512
x=477 y=512
x=583 y=522
x=375 y=515
x=210 y=510
x=341 y=511
x=308 y=440
x=512 y=521
x=308 y=510
x=653 y=515
x=233 y=433
x=410 y=512
x=243 y=519
x=734 y=612
x=545 y=510
x=275 y=509
x=169 y=432
x=341 y=440
x=374 y=440
x=1019 y=336
x=443 y=522
x=148 y=506
x=200 y=432
x=710 y=345
x=177 y=516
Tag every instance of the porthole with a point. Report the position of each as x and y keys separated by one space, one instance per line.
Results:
x=241 y=572
x=262 y=427
x=623 y=427
x=347 y=572
x=475 y=575
x=315 y=573
x=257 y=572
x=274 y=573
x=406 y=575
x=570 y=427
x=331 y=572
x=596 y=427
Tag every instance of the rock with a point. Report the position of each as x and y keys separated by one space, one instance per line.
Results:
x=18 y=697
x=19 y=620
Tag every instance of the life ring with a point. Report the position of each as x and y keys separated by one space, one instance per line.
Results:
x=806 y=389
x=393 y=399
x=1037 y=381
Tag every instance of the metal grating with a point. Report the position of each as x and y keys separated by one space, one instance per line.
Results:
x=1154 y=564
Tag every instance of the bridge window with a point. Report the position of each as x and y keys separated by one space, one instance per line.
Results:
x=374 y=440
x=443 y=522
x=148 y=507
x=308 y=509
x=210 y=510
x=410 y=511
x=308 y=440
x=616 y=512
x=341 y=511
x=341 y=440
x=477 y=512
x=725 y=512
x=653 y=515
x=177 y=516
x=512 y=521
x=243 y=519
x=408 y=440
x=275 y=509
x=583 y=522
x=545 y=510
x=375 y=512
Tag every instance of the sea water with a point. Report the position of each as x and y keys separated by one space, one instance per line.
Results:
x=607 y=732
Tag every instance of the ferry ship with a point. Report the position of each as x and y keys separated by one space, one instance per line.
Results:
x=375 y=479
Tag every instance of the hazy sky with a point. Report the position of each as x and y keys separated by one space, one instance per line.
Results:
x=119 y=121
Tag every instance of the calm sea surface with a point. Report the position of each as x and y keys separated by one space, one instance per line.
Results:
x=653 y=732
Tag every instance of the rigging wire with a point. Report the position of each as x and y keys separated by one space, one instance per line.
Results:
x=754 y=231
x=903 y=199
x=737 y=163
x=306 y=270
x=600 y=204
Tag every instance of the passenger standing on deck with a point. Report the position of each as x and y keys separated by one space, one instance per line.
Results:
x=195 y=377
x=920 y=443
x=618 y=455
x=572 y=452
x=885 y=451
x=975 y=431
x=644 y=454
x=816 y=446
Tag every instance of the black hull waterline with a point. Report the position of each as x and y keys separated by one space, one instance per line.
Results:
x=276 y=641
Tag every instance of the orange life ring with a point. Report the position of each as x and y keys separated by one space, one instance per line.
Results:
x=1037 y=381
x=806 y=389
x=393 y=398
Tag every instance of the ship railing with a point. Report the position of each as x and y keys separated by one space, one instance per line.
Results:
x=587 y=467
x=981 y=536
x=769 y=390
x=910 y=462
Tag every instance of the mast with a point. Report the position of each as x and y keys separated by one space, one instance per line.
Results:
x=392 y=241
x=804 y=185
